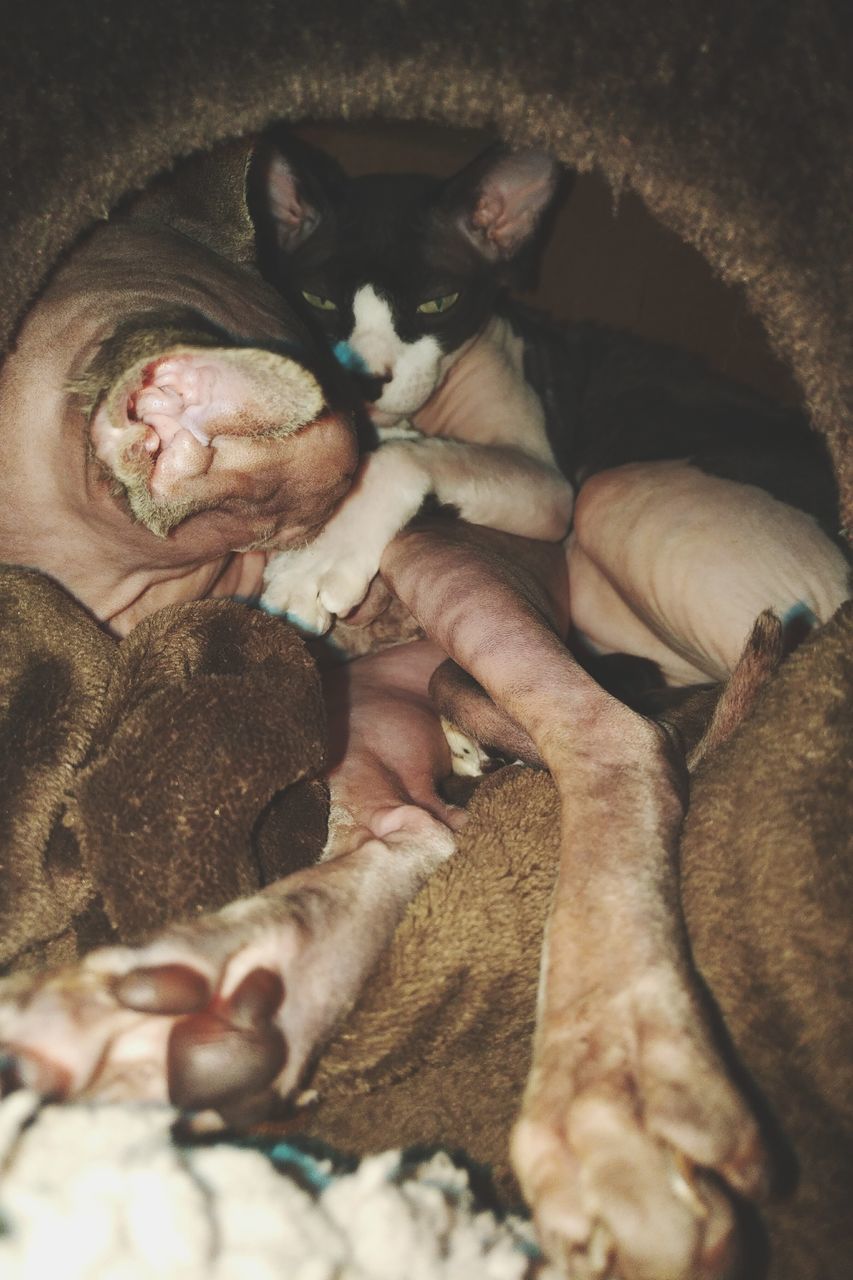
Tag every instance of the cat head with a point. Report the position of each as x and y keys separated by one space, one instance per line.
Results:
x=401 y=271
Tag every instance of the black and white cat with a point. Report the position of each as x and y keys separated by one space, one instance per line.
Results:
x=403 y=273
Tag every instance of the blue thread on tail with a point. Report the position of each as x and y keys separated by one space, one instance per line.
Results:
x=799 y=614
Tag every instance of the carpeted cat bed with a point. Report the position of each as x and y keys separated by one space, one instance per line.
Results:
x=732 y=122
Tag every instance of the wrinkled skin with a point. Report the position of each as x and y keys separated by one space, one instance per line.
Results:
x=260 y=481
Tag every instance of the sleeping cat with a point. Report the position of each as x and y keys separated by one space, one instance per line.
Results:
x=404 y=274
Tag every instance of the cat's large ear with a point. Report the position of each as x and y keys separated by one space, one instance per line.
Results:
x=498 y=201
x=297 y=184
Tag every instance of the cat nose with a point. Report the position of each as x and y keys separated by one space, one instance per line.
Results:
x=371 y=385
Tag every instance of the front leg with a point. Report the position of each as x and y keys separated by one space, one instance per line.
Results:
x=632 y=1135
x=331 y=575
x=498 y=486
x=227 y=1011
x=224 y=1012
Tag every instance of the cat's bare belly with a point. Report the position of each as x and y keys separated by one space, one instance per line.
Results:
x=672 y=564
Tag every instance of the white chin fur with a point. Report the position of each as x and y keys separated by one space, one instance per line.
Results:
x=416 y=368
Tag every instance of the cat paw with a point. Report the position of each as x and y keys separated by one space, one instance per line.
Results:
x=467 y=757
x=211 y=1015
x=630 y=1146
x=316 y=584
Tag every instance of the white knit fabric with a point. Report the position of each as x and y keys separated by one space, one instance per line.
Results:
x=101 y=1193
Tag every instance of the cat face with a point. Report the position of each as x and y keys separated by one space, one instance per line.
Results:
x=401 y=272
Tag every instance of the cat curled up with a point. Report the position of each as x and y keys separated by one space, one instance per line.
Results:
x=405 y=274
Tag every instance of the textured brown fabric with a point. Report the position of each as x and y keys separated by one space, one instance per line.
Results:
x=53 y=680
x=732 y=122
x=767 y=889
x=150 y=779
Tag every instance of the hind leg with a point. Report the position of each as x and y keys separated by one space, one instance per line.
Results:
x=672 y=564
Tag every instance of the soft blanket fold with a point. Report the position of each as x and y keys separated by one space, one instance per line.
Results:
x=150 y=779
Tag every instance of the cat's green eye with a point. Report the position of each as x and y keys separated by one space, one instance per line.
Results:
x=435 y=306
x=322 y=304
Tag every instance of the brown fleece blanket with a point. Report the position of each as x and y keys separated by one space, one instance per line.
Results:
x=164 y=775
x=151 y=779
